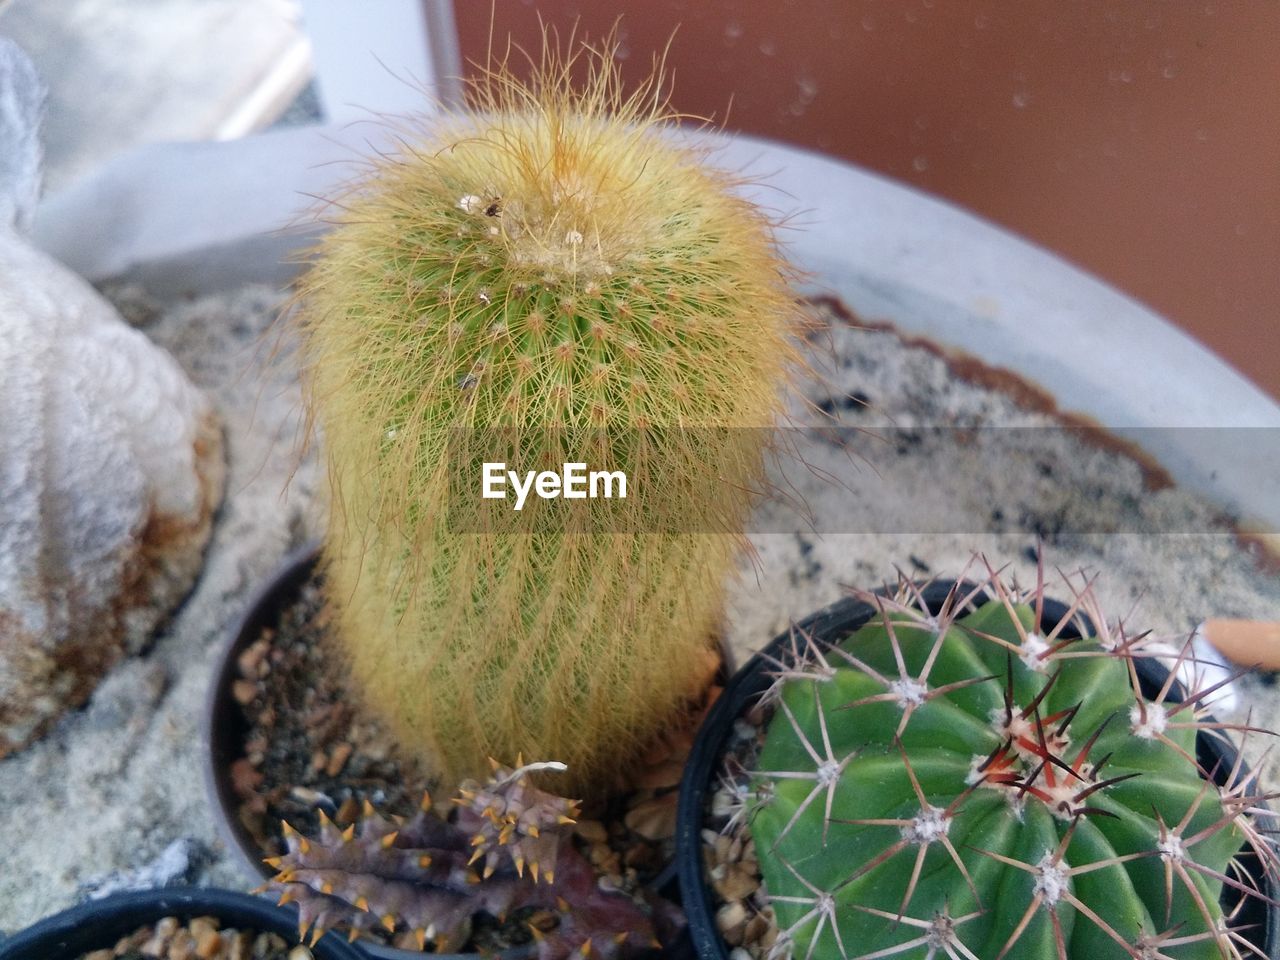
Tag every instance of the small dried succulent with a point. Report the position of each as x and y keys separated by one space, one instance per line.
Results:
x=505 y=847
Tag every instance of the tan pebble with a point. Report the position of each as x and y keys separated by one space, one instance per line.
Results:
x=267 y=718
x=251 y=659
x=349 y=812
x=201 y=925
x=709 y=838
x=244 y=691
x=100 y=955
x=755 y=929
x=167 y=926
x=156 y=946
x=266 y=944
x=241 y=946
x=654 y=819
x=338 y=758
x=182 y=947
x=736 y=884
x=769 y=937
x=300 y=953
x=737 y=953
x=319 y=760
x=731 y=920
x=598 y=853
x=591 y=831
x=661 y=776
x=209 y=945
x=723 y=844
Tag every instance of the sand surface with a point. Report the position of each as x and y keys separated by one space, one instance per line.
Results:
x=114 y=795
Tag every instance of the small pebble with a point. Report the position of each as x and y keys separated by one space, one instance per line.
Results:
x=338 y=758
x=654 y=819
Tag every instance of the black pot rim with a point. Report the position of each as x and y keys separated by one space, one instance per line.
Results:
x=98 y=924
x=837 y=620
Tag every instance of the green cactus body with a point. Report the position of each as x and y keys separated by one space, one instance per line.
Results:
x=964 y=787
x=550 y=275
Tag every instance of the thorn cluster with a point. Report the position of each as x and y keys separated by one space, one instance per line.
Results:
x=981 y=767
x=415 y=877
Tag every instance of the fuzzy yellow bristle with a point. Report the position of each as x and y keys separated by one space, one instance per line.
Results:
x=424 y=860
x=517 y=276
x=388 y=840
x=389 y=922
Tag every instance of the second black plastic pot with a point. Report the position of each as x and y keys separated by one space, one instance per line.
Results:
x=99 y=924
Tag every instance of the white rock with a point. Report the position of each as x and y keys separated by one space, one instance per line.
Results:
x=110 y=464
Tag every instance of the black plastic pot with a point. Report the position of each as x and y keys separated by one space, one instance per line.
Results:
x=224 y=734
x=1258 y=920
x=97 y=925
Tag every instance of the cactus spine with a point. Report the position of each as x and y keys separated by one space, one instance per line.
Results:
x=552 y=268
x=980 y=783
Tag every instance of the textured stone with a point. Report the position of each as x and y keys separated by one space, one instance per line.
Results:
x=111 y=463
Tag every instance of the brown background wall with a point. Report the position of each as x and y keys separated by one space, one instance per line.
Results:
x=1138 y=138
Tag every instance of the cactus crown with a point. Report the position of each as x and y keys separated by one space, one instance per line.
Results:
x=504 y=848
x=551 y=274
x=986 y=781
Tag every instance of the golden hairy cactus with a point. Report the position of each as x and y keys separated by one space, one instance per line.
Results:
x=553 y=273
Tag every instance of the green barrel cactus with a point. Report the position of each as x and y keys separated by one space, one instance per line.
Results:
x=555 y=275
x=968 y=784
